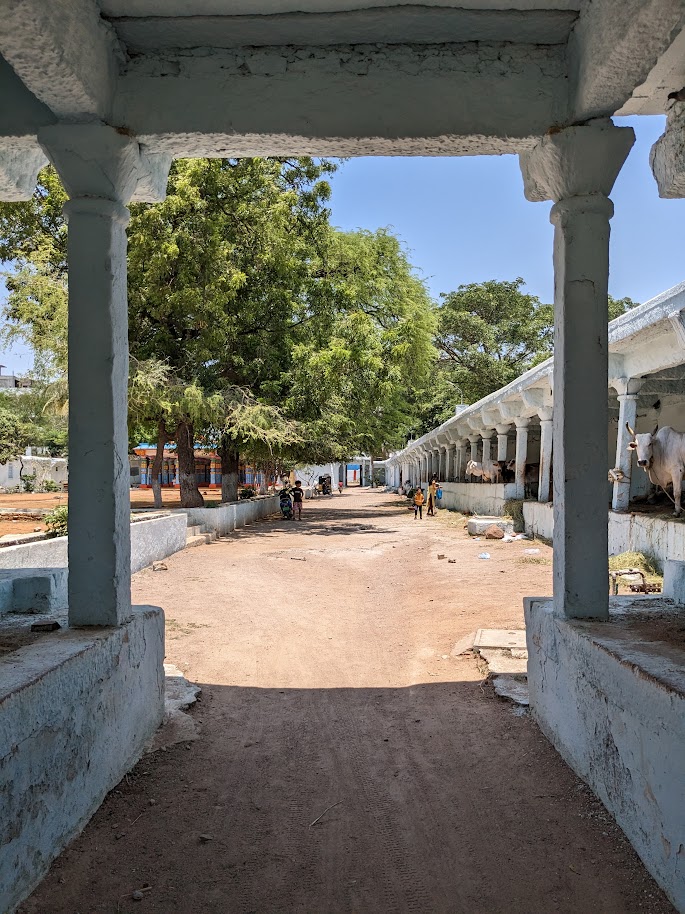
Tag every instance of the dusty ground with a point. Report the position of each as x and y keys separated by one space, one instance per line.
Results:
x=325 y=654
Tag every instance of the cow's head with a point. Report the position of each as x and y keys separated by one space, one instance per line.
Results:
x=644 y=445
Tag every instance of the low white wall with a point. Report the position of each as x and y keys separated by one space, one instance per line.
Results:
x=656 y=536
x=232 y=516
x=76 y=710
x=616 y=714
x=151 y=540
x=476 y=497
x=538 y=519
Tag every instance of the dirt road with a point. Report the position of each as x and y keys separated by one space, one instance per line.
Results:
x=348 y=762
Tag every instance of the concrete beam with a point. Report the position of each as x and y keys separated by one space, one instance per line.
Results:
x=415 y=24
x=613 y=48
x=266 y=101
x=64 y=53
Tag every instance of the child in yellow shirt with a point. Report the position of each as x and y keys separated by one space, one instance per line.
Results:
x=418 y=504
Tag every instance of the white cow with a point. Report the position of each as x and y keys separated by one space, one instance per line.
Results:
x=662 y=456
x=491 y=472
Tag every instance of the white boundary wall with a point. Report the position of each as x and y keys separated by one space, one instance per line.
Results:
x=151 y=540
x=76 y=711
x=476 y=497
x=664 y=539
x=232 y=516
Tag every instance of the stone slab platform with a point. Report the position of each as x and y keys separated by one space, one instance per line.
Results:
x=500 y=638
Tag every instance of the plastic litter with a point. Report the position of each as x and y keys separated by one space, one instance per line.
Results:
x=484 y=555
x=507 y=539
x=531 y=551
x=521 y=536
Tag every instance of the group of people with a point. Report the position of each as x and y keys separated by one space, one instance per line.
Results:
x=434 y=499
x=291 y=501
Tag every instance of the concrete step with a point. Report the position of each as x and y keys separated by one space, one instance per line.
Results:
x=200 y=539
x=194 y=529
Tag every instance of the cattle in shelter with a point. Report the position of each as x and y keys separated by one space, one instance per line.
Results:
x=661 y=454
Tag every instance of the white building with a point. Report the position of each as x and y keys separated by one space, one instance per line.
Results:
x=110 y=91
x=42 y=468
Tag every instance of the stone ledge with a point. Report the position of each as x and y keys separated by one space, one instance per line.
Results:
x=610 y=696
x=76 y=710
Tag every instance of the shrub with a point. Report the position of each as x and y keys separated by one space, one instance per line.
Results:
x=29 y=482
x=57 y=521
x=51 y=486
x=247 y=492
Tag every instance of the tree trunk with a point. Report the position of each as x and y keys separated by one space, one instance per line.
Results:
x=230 y=464
x=156 y=469
x=185 y=448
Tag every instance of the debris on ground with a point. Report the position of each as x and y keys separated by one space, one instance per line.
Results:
x=49 y=625
x=478 y=525
x=159 y=566
x=504 y=651
x=177 y=726
x=484 y=555
x=531 y=552
x=451 y=561
x=494 y=532
x=441 y=555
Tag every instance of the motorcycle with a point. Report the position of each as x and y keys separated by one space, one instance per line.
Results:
x=286 y=507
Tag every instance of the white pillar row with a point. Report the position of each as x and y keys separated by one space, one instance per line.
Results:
x=521 y=455
x=100 y=169
x=449 y=462
x=546 y=435
x=486 y=435
x=576 y=168
x=627 y=390
x=502 y=441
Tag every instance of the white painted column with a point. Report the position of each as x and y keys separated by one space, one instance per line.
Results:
x=502 y=441
x=486 y=435
x=521 y=455
x=449 y=462
x=461 y=461
x=627 y=415
x=576 y=168
x=100 y=169
x=546 y=435
x=474 y=441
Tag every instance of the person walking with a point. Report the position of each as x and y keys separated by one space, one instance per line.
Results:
x=438 y=497
x=418 y=504
x=432 y=489
x=298 y=498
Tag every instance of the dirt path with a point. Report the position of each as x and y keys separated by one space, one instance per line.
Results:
x=324 y=652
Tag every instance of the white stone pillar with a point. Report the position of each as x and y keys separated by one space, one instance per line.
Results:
x=100 y=169
x=546 y=436
x=474 y=441
x=521 y=455
x=576 y=167
x=449 y=462
x=460 y=474
x=627 y=415
x=486 y=435
x=502 y=441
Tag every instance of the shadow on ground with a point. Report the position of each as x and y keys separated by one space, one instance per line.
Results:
x=432 y=798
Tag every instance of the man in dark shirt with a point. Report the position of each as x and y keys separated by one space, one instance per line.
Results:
x=298 y=498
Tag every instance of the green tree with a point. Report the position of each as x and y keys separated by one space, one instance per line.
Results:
x=12 y=435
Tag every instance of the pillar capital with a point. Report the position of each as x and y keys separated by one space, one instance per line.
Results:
x=487 y=433
x=521 y=422
x=503 y=429
x=626 y=387
x=94 y=160
x=474 y=439
x=576 y=161
x=546 y=414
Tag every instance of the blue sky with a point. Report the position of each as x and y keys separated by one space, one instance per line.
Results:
x=466 y=220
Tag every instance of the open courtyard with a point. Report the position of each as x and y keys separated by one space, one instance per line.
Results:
x=349 y=757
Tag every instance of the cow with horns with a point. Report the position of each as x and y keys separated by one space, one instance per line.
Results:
x=661 y=455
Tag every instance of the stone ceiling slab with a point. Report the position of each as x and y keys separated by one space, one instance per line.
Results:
x=409 y=24
x=265 y=7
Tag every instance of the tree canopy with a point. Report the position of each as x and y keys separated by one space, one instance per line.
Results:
x=254 y=325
